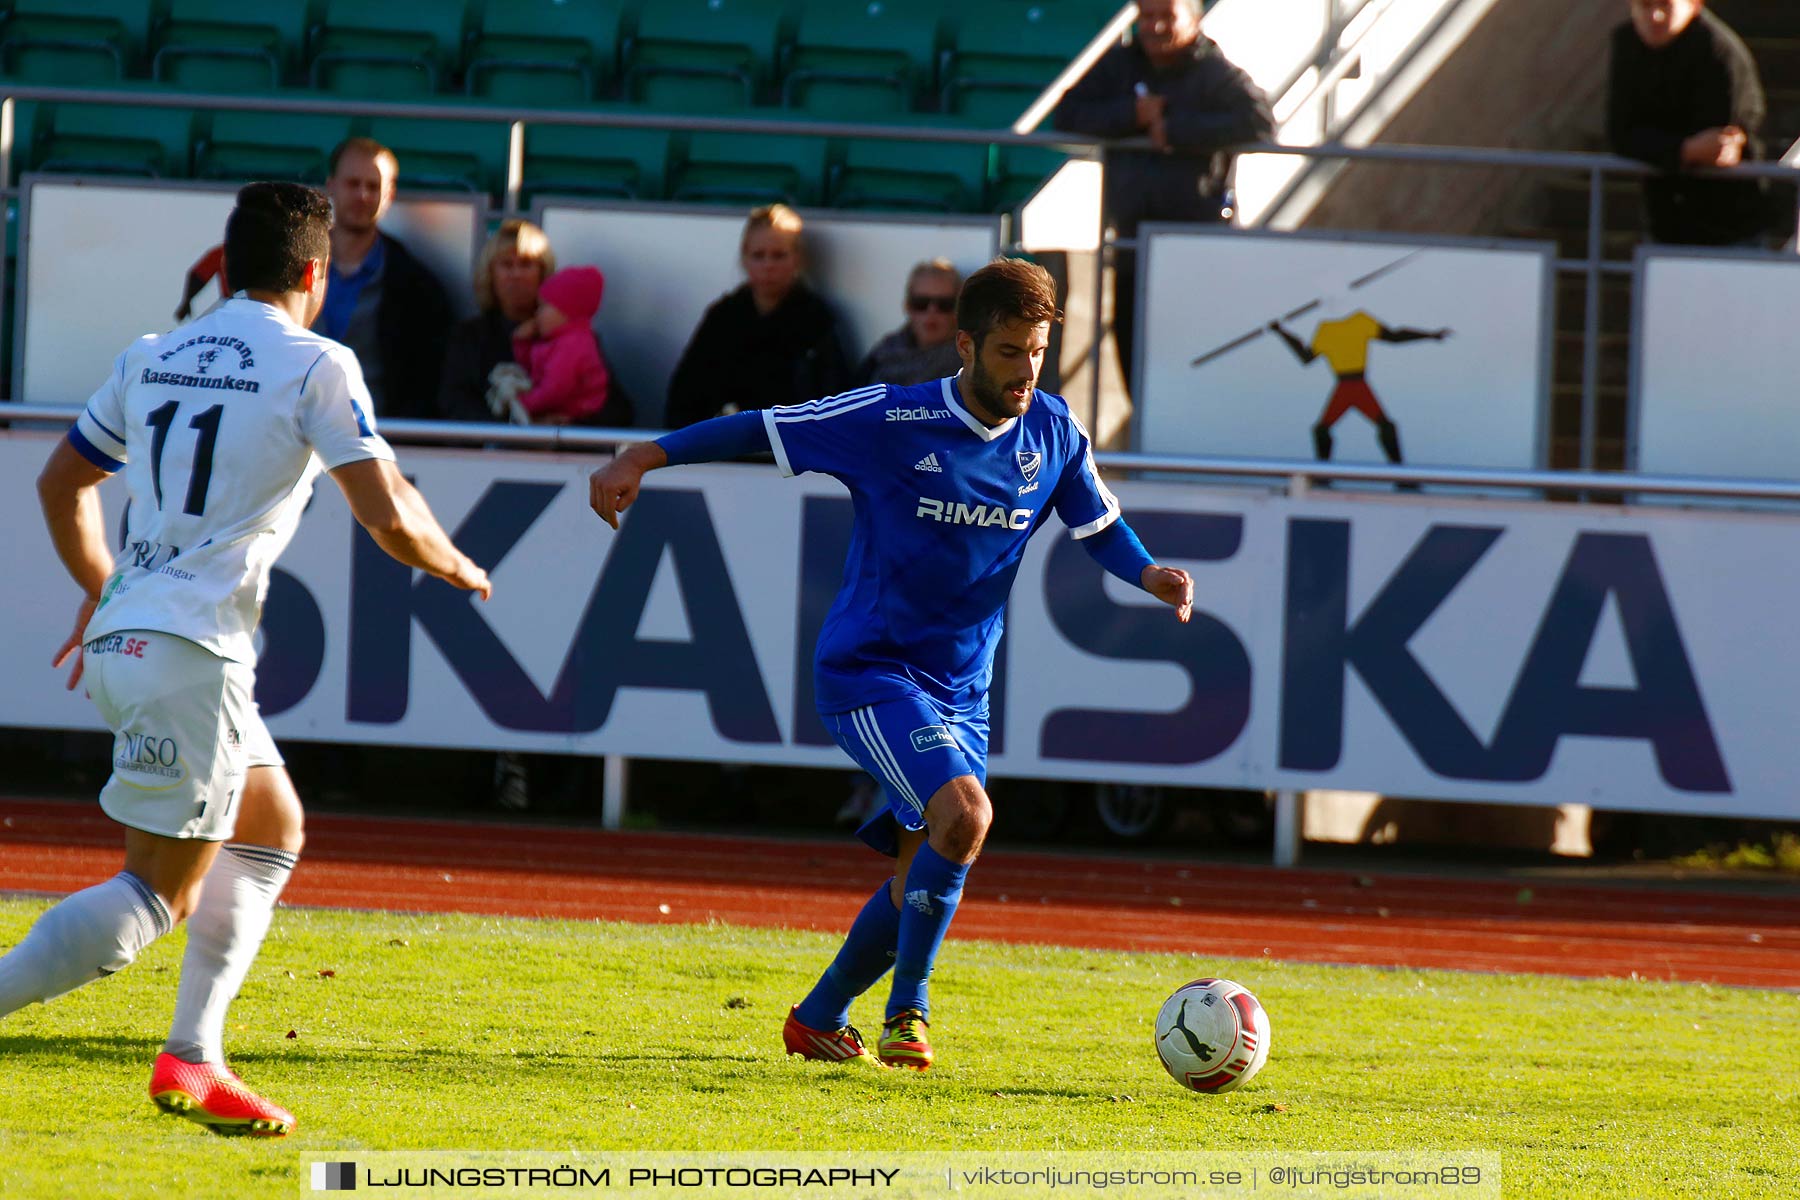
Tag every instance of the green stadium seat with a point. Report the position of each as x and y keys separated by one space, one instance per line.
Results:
x=73 y=42
x=549 y=53
x=702 y=55
x=869 y=59
x=912 y=176
x=262 y=145
x=114 y=139
x=619 y=164
x=394 y=49
x=228 y=46
x=1007 y=52
x=745 y=170
x=446 y=155
x=1019 y=172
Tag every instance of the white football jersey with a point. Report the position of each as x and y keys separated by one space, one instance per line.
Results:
x=221 y=426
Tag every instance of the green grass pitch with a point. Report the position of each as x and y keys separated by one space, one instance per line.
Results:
x=392 y=1032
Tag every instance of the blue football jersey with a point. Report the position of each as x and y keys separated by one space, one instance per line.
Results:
x=944 y=506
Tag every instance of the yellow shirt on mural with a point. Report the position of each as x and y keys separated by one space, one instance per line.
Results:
x=1344 y=343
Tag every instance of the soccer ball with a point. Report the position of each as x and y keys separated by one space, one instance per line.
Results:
x=1212 y=1035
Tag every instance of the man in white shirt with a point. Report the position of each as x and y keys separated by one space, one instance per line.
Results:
x=220 y=427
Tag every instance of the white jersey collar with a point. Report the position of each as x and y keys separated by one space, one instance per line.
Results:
x=280 y=314
x=953 y=398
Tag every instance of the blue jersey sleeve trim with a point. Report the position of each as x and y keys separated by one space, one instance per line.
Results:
x=720 y=438
x=92 y=452
x=1118 y=549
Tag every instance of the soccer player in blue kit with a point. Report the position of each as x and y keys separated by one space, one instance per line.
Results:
x=950 y=479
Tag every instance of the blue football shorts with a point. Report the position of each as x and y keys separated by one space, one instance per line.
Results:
x=912 y=746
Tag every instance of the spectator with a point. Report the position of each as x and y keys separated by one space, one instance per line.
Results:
x=508 y=273
x=559 y=354
x=772 y=341
x=206 y=268
x=382 y=303
x=924 y=348
x=1685 y=93
x=1173 y=85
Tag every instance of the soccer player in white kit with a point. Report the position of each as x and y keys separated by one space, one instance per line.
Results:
x=220 y=428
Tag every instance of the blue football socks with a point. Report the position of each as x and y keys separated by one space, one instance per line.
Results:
x=934 y=886
x=867 y=953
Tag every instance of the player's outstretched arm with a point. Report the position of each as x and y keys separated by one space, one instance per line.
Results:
x=1172 y=586
x=613 y=487
x=68 y=492
x=1117 y=549
x=397 y=517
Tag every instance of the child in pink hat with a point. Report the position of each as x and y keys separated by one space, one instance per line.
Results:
x=558 y=350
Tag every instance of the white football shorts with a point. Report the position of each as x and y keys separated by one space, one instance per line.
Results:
x=185 y=730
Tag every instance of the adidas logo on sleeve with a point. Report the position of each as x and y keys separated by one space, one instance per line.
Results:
x=929 y=463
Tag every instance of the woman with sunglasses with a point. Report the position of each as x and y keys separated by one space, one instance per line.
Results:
x=924 y=348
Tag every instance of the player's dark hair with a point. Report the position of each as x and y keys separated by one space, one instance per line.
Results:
x=273 y=232
x=1007 y=289
x=363 y=145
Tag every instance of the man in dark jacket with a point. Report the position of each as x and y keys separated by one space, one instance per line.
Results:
x=383 y=302
x=1684 y=93
x=1173 y=85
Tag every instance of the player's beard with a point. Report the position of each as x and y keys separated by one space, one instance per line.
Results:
x=992 y=397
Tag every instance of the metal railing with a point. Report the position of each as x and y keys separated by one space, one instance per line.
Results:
x=1597 y=167
x=1298 y=474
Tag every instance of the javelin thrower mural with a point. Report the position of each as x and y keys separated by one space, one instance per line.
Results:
x=1343 y=342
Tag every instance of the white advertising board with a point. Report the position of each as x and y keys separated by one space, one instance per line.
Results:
x=103 y=262
x=1441 y=648
x=1715 y=385
x=1214 y=379
x=664 y=266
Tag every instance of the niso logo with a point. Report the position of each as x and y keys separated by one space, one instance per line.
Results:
x=917 y=414
x=148 y=751
x=984 y=515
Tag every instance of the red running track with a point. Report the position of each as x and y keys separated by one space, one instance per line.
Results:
x=1112 y=903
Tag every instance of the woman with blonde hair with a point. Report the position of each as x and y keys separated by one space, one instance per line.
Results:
x=771 y=341
x=508 y=273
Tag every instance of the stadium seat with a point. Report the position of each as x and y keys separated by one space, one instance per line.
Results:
x=1008 y=51
x=911 y=176
x=446 y=155
x=545 y=52
x=746 y=170
x=114 y=139
x=1019 y=172
x=226 y=46
x=702 y=55
x=620 y=164
x=73 y=42
x=868 y=59
x=263 y=145
x=395 y=49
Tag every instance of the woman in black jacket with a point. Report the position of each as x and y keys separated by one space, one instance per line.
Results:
x=772 y=341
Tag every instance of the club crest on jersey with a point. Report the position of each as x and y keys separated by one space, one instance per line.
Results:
x=1029 y=462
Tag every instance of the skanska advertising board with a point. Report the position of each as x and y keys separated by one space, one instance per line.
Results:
x=1448 y=648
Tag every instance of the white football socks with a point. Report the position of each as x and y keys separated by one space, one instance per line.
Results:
x=226 y=930
x=87 y=936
